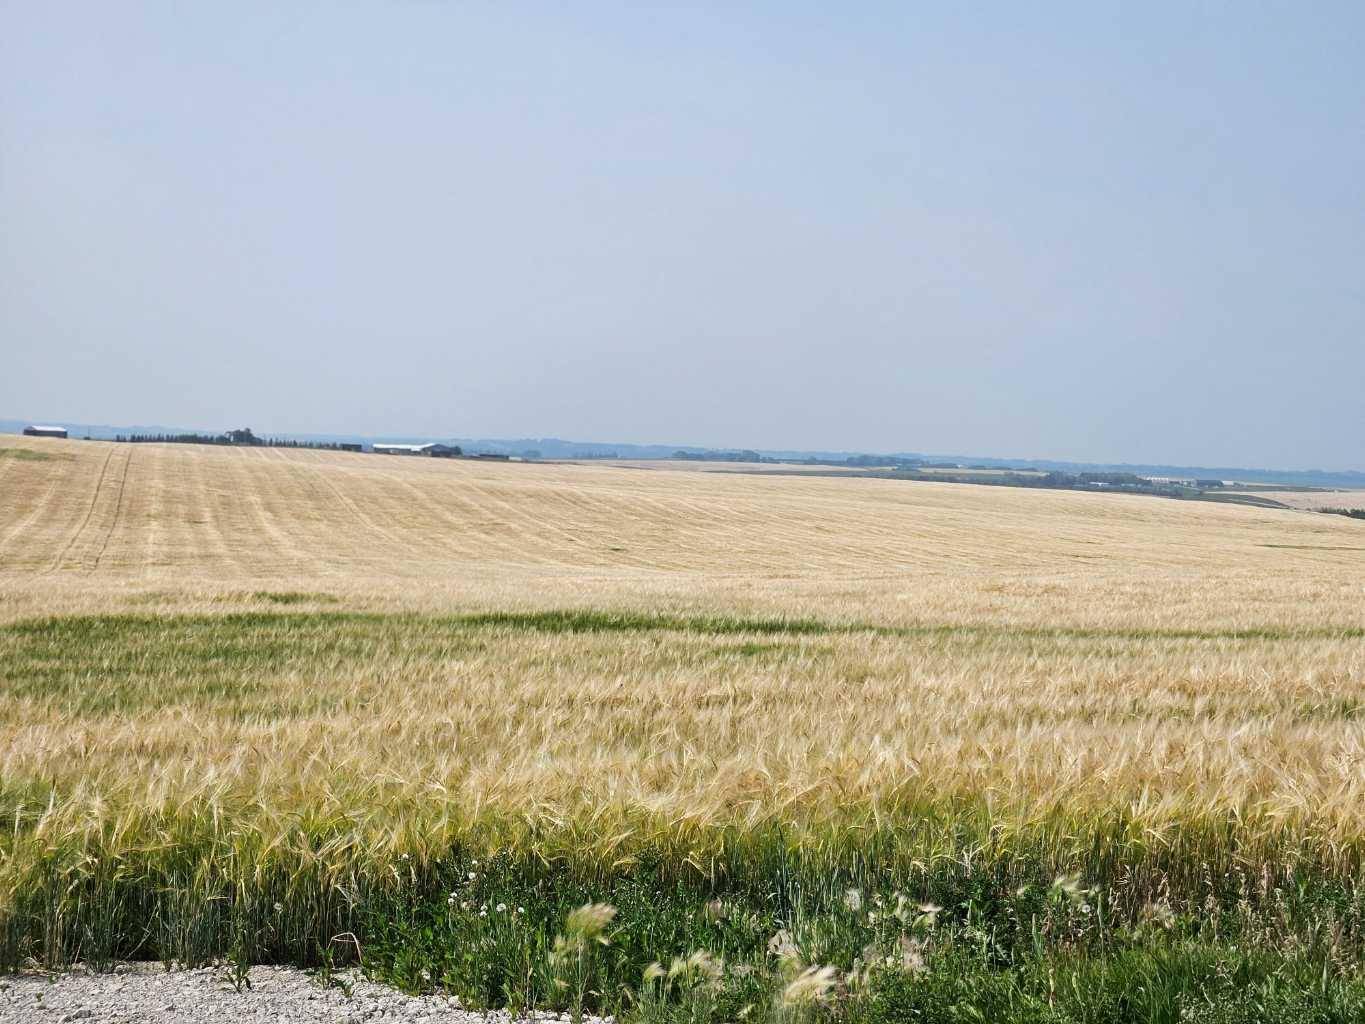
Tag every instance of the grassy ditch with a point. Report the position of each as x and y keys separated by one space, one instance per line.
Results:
x=947 y=919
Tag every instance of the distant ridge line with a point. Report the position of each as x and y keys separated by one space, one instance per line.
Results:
x=559 y=448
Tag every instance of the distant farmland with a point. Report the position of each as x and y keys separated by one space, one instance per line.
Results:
x=1317 y=499
x=256 y=699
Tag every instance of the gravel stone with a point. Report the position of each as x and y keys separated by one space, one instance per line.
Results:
x=151 y=994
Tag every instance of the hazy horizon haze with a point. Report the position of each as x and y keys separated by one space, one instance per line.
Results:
x=1108 y=233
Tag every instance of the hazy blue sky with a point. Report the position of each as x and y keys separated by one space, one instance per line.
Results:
x=1111 y=232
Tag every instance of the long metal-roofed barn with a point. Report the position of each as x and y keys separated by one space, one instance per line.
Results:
x=432 y=449
x=40 y=431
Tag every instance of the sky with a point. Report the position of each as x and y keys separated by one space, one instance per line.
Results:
x=1108 y=232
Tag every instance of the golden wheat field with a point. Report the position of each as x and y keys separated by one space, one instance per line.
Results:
x=99 y=526
x=274 y=628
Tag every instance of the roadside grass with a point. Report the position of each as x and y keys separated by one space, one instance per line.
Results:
x=951 y=918
x=998 y=936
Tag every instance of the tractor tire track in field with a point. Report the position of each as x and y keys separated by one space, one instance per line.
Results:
x=153 y=531
x=359 y=514
x=34 y=515
x=211 y=540
x=281 y=540
x=118 y=510
x=595 y=517
x=314 y=474
x=717 y=531
x=89 y=514
x=519 y=541
x=454 y=541
x=502 y=525
x=303 y=535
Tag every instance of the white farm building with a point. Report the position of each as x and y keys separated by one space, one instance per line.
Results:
x=432 y=449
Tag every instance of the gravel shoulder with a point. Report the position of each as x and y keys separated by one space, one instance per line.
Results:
x=282 y=995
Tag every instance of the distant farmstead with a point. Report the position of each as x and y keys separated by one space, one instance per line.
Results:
x=37 y=431
x=433 y=450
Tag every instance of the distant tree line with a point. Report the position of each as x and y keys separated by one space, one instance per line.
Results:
x=716 y=456
x=241 y=437
x=1350 y=513
x=1129 y=483
x=876 y=460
